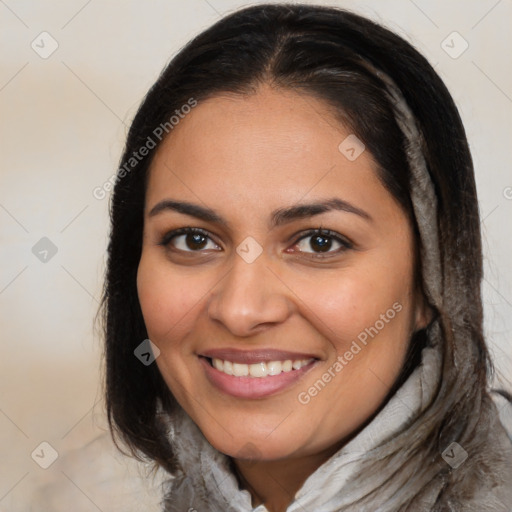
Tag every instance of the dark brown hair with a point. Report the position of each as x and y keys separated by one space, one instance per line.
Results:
x=317 y=51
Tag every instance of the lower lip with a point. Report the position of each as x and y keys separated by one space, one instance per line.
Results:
x=253 y=387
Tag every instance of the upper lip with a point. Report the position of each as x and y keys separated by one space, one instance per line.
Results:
x=254 y=356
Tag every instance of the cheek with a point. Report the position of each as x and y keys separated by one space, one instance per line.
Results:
x=167 y=305
x=346 y=306
x=364 y=312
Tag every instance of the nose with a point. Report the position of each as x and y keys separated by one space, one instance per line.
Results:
x=250 y=298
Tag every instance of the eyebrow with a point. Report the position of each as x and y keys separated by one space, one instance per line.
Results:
x=278 y=217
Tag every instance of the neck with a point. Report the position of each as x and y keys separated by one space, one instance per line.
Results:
x=275 y=482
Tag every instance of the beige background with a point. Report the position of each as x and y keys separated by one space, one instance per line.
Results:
x=63 y=122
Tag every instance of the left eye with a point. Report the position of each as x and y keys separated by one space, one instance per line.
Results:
x=322 y=241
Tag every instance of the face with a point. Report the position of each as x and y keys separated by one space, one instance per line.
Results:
x=297 y=269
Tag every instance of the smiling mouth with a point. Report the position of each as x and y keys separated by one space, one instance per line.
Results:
x=260 y=369
x=255 y=374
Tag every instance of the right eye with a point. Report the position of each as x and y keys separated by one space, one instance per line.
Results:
x=188 y=240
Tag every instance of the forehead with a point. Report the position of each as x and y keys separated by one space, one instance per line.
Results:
x=262 y=150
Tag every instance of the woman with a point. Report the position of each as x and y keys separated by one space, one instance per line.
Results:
x=295 y=228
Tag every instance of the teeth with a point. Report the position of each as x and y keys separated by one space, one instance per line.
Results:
x=228 y=368
x=239 y=370
x=286 y=366
x=259 y=370
x=274 y=367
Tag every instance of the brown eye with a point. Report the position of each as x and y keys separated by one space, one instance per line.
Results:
x=188 y=240
x=195 y=241
x=322 y=241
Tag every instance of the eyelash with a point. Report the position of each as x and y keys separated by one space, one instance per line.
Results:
x=327 y=233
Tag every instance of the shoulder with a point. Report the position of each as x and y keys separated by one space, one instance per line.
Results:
x=98 y=476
